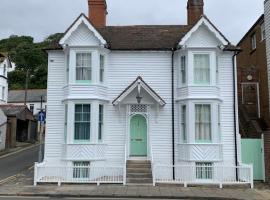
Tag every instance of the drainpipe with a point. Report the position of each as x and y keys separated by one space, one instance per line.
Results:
x=173 y=131
x=234 y=107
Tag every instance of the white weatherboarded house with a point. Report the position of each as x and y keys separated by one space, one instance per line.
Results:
x=138 y=104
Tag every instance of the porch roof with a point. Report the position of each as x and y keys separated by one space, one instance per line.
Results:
x=139 y=82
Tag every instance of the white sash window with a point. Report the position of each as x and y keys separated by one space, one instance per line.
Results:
x=203 y=123
x=83 y=67
x=202 y=69
x=81 y=170
x=183 y=123
x=82 y=122
x=102 y=68
x=100 y=123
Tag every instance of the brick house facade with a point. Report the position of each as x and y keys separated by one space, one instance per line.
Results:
x=253 y=82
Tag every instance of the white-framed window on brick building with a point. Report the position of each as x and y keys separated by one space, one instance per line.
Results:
x=262 y=31
x=253 y=42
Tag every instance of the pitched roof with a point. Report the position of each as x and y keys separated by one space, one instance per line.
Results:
x=141 y=37
x=21 y=112
x=17 y=96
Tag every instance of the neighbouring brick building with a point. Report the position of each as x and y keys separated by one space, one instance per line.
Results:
x=253 y=82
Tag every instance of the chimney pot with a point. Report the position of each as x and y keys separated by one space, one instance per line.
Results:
x=195 y=9
x=97 y=12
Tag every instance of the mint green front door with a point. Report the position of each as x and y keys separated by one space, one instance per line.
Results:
x=138 y=136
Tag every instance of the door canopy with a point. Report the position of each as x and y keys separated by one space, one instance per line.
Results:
x=140 y=88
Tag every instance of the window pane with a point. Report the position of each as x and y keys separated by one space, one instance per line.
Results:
x=82 y=122
x=83 y=66
x=204 y=170
x=101 y=72
x=202 y=68
x=81 y=169
x=203 y=123
x=183 y=122
x=183 y=69
x=100 y=126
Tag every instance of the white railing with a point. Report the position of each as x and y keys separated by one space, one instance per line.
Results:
x=200 y=152
x=84 y=151
x=204 y=174
x=87 y=174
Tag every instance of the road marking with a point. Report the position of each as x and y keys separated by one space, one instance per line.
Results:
x=19 y=151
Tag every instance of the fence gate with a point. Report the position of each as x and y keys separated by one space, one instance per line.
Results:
x=252 y=153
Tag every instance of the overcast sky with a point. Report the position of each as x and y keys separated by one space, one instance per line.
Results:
x=40 y=18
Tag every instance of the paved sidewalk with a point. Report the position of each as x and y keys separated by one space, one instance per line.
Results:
x=119 y=191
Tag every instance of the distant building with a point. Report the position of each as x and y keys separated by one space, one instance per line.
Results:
x=253 y=82
x=5 y=66
x=33 y=102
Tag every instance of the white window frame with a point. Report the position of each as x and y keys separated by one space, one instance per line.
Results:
x=65 y=123
x=204 y=170
x=81 y=168
x=262 y=31
x=101 y=123
x=184 y=135
x=181 y=71
x=90 y=124
x=253 y=41
x=102 y=68
x=67 y=68
x=32 y=105
x=213 y=65
x=202 y=141
x=90 y=67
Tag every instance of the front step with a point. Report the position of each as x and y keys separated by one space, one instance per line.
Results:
x=139 y=172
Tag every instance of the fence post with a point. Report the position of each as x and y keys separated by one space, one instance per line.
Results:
x=251 y=177
x=35 y=174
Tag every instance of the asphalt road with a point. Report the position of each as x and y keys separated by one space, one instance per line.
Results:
x=47 y=198
x=18 y=162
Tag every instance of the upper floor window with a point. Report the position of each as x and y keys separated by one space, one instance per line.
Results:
x=202 y=69
x=203 y=123
x=183 y=69
x=32 y=106
x=253 y=42
x=83 y=67
x=262 y=31
x=82 y=122
x=101 y=70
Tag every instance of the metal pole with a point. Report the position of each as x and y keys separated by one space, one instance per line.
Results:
x=26 y=86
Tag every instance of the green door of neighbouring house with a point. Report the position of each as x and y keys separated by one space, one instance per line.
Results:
x=138 y=136
x=252 y=154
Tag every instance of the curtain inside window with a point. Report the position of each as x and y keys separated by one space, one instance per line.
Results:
x=202 y=68
x=203 y=123
x=82 y=122
x=83 y=66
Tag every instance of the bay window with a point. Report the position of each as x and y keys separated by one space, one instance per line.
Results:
x=202 y=69
x=183 y=70
x=203 y=123
x=100 y=123
x=83 y=67
x=82 y=122
x=183 y=122
x=101 y=69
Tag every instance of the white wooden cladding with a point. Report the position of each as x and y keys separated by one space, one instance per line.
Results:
x=78 y=91
x=199 y=92
x=200 y=152
x=188 y=174
x=84 y=152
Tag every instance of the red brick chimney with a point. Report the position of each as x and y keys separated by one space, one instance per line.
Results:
x=97 y=12
x=195 y=10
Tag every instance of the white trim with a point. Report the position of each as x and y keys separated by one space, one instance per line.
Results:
x=80 y=20
x=206 y=22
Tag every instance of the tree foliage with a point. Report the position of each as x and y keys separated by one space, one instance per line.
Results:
x=27 y=55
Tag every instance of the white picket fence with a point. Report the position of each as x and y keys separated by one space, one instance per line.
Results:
x=87 y=174
x=204 y=174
